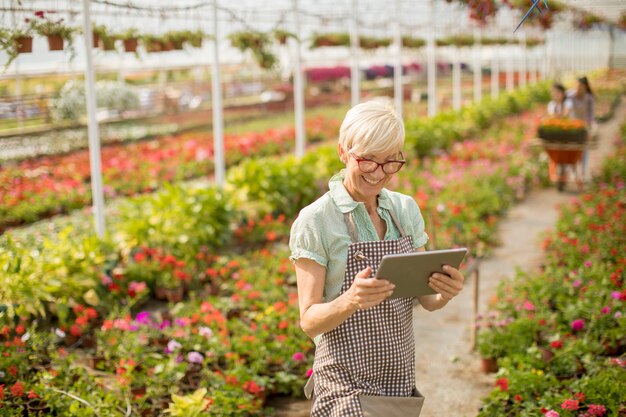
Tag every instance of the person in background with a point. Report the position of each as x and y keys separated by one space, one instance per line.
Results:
x=365 y=347
x=560 y=105
x=583 y=108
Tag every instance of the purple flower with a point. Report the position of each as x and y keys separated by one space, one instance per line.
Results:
x=606 y=310
x=180 y=359
x=195 y=357
x=180 y=322
x=298 y=356
x=143 y=318
x=173 y=345
x=578 y=325
x=164 y=324
x=616 y=295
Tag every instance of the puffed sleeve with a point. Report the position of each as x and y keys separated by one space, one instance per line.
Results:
x=305 y=240
x=416 y=225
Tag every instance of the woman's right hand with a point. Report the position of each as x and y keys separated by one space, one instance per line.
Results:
x=368 y=292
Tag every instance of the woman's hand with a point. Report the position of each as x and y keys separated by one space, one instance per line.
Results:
x=448 y=285
x=368 y=292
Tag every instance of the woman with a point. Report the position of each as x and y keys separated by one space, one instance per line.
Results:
x=364 y=341
x=583 y=108
x=560 y=105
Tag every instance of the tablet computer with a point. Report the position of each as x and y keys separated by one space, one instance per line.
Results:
x=410 y=271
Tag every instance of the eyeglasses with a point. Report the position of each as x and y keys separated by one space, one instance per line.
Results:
x=367 y=165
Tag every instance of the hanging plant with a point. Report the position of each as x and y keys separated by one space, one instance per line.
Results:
x=330 y=39
x=258 y=43
x=414 y=43
x=586 y=21
x=458 y=40
x=152 y=43
x=13 y=43
x=194 y=38
x=481 y=10
x=495 y=41
x=368 y=42
x=104 y=38
x=130 y=39
x=282 y=36
x=175 y=39
x=533 y=42
x=59 y=35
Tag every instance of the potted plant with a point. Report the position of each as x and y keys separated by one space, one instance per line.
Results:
x=408 y=42
x=59 y=35
x=195 y=38
x=101 y=34
x=330 y=39
x=557 y=129
x=258 y=43
x=130 y=39
x=18 y=41
x=281 y=36
x=152 y=43
x=176 y=39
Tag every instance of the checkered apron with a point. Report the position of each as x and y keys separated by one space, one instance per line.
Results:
x=372 y=352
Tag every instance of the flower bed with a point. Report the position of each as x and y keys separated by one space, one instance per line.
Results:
x=560 y=335
x=36 y=189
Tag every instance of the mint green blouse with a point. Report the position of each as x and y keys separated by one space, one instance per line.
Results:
x=320 y=233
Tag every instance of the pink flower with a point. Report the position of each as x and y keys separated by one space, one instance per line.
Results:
x=528 y=306
x=173 y=345
x=570 y=404
x=298 y=356
x=551 y=413
x=606 y=310
x=578 y=325
x=616 y=295
x=597 y=410
x=309 y=372
x=195 y=357
x=205 y=332
x=577 y=283
x=588 y=264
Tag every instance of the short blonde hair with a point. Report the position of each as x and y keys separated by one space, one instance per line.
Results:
x=372 y=127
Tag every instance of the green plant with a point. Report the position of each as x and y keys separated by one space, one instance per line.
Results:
x=258 y=43
x=10 y=41
x=281 y=36
x=44 y=25
x=190 y=405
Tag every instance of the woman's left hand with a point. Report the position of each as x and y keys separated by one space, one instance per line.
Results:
x=449 y=285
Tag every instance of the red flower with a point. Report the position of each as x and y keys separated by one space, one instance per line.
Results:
x=1 y=392
x=32 y=394
x=75 y=330
x=570 y=404
x=503 y=383
x=517 y=398
x=17 y=390
x=579 y=396
x=19 y=329
x=12 y=370
x=40 y=14
x=253 y=388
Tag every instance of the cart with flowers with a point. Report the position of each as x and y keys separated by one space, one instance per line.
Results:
x=565 y=141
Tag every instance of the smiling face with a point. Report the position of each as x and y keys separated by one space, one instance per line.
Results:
x=365 y=186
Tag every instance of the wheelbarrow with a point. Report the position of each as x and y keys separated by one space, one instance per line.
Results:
x=565 y=157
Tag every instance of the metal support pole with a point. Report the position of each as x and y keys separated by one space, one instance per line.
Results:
x=398 y=92
x=92 y=126
x=431 y=73
x=354 y=50
x=456 y=80
x=218 y=119
x=495 y=73
x=477 y=67
x=522 y=67
x=510 y=82
x=298 y=88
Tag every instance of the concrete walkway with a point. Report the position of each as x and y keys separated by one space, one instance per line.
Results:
x=448 y=372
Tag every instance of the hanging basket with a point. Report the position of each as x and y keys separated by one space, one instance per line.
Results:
x=55 y=43
x=130 y=45
x=96 y=40
x=108 y=44
x=24 y=45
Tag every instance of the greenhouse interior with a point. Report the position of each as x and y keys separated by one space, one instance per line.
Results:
x=183 y=187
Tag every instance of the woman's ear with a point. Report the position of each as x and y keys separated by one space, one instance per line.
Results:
x=342 y=154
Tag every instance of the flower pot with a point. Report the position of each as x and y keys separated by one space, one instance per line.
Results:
x=130 y=45
x=546 y=354
x=37 y=407
x=96 y=40
x=174 y=295
x=108 y=44
x=159 y=293
x=55 y=43
x=489 y=365
x=24 y=45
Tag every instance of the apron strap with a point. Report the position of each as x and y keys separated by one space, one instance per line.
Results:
x=397 y=223
x=352 y=228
